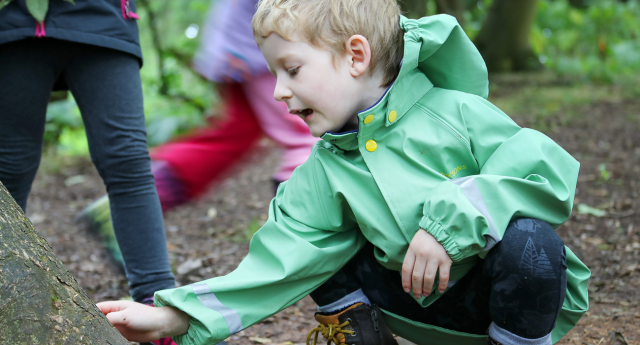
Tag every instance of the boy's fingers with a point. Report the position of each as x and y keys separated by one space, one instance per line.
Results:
x=117 y=318
x=417 y=276
x=407 y=268
x=444 y=276
x=110 y=307
x=429 y=277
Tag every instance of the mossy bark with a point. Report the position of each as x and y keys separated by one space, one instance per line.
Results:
x=40 y=301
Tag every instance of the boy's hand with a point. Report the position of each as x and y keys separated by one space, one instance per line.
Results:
x=424 y=258
x=142 y=323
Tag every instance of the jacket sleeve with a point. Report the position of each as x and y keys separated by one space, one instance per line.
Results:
x=522 y=174
x=307 y=238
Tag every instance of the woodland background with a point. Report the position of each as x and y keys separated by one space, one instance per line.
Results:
x=570 y=69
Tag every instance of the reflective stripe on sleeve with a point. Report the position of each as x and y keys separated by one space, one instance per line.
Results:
x=209 y=299
x=472 y=192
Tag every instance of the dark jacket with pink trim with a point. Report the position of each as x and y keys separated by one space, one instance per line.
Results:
x=104 y=23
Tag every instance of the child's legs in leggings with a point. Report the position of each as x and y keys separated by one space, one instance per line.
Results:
x=26 y=79
x=516 y=286
x=288 y=130
x=106 y=85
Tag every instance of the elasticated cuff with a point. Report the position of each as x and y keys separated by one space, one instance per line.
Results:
x=441 y=235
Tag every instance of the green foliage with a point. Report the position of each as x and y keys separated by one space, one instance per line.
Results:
x=4 y=3
x=586 y=209
x=38 y=9
x=600 y=42
x=605 y=175
x=253 y=227
x=64 y=127
x=176 y=99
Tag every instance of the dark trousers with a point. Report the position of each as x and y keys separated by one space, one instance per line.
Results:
x=107 y=87
x=520 y=286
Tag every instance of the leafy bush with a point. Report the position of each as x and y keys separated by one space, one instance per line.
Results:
x=177 y=109
x=600 y=42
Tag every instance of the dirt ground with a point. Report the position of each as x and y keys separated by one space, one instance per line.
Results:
x=212 y=234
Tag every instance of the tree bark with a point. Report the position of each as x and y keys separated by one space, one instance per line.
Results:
x=40 y=301
x=503 y=40
x=414 y=9
x=452 y=7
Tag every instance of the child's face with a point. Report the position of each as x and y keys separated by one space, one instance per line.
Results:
x=324 y=95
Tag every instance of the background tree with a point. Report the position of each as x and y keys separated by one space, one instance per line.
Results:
x=452 y=7
x=40 y=301
x=503 y=40
x=414 y=8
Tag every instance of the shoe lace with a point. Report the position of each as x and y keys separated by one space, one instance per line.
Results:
x=329 y=332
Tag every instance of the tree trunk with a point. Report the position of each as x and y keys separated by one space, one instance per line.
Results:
x=452 y=7
x=503 y=40
x=414 y=9
x=40 y=301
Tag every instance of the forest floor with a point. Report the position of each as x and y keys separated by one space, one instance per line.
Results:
x=207 y=238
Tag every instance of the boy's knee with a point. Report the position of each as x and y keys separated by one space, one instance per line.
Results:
x=528 y=270
x=530 y=247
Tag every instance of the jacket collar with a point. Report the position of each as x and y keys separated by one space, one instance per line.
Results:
x=436 y=52
x=406 y=90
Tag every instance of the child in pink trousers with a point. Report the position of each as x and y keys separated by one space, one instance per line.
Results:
x=230 y=57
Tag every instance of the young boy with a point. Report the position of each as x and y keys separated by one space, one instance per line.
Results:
x=424 y=206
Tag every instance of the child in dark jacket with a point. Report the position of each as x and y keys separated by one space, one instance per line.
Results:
x=92 y=49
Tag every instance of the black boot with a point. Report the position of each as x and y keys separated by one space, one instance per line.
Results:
x=359 y=324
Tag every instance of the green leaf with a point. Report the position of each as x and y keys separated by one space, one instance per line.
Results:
x=586 y=209
x=38 y=9
x=71 y=1
x=4 y=3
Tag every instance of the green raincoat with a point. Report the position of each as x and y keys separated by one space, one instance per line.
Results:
x=433 y=153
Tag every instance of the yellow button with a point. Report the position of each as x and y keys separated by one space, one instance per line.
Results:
x=371 y=145
x=393 y=116
x=368 y=119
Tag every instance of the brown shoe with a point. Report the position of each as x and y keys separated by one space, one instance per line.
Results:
x=359 y=324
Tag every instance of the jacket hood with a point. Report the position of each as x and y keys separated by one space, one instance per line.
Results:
x=437 y=52
x=440 y=49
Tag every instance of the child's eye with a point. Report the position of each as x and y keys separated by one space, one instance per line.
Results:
x=293 y=71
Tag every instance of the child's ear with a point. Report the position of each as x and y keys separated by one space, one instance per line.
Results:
x=358 y=55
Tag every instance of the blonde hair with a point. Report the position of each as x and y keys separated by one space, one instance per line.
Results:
x=328 y=24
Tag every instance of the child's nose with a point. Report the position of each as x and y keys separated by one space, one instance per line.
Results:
x=281 y=92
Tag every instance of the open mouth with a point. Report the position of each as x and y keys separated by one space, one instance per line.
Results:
x=303 y=113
